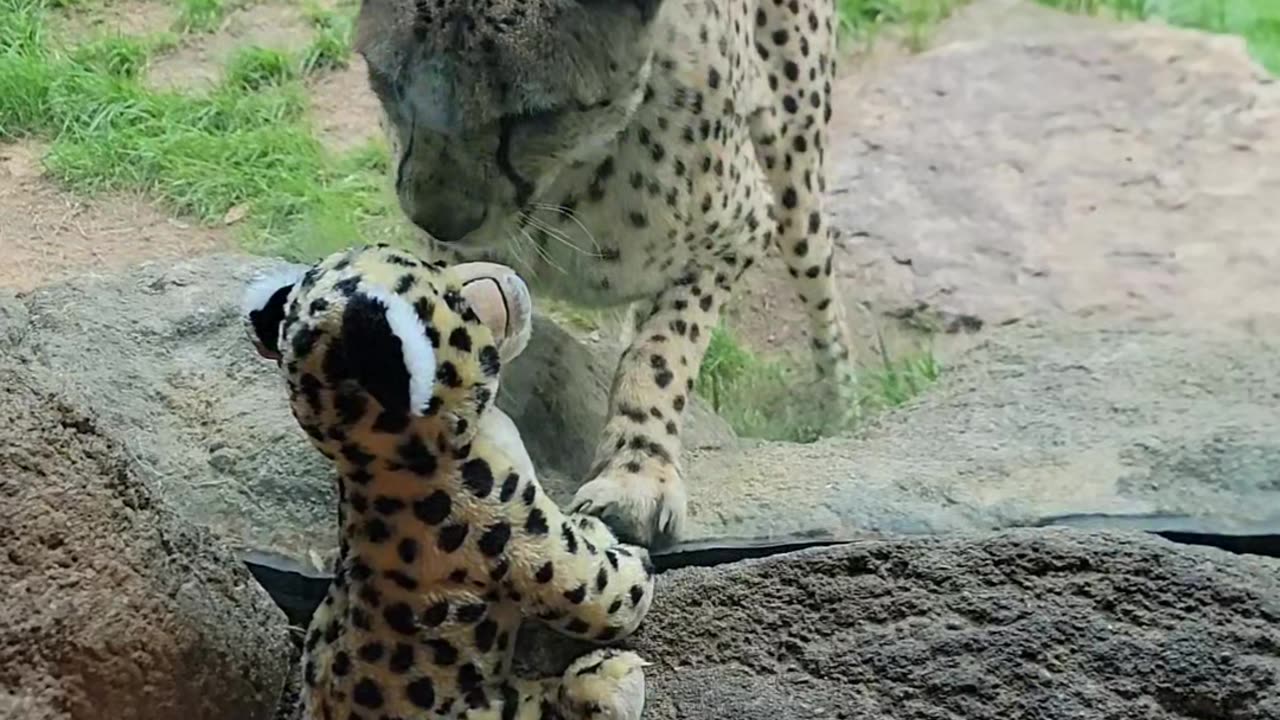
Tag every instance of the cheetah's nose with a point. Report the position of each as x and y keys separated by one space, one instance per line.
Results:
x=450 y=224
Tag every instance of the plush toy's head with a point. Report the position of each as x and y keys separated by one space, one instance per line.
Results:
x=380 y=348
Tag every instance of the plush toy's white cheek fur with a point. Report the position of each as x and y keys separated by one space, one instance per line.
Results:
x=258 y=293
x=262 y=287
x=419 y=356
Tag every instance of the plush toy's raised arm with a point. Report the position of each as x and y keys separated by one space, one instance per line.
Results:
x=569 y=571
x=574 y=575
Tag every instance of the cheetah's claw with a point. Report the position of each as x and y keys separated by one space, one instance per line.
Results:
x=639 y=511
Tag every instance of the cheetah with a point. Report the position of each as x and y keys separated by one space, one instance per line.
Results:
x=447 y=539
x=634 y=153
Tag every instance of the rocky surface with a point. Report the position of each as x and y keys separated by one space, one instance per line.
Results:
x=1135 y=189
x=1042 y=166
x=1043 y=624
x=1031 y=424
x=158 y=357
x=114 y=607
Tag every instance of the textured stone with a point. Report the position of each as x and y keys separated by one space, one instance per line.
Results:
x=1032 y=424
x=1022 y=624
x=114 y=607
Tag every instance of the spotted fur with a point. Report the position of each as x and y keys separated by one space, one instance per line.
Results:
x=622 y=151
x=447 y=541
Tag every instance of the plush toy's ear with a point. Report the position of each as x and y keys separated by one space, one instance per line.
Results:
x=503 y=303
x=387 y=351
x=264 y=309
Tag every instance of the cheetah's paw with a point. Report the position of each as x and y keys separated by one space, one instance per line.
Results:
x=641 y=510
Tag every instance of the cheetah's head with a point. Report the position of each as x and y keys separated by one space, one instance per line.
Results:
x=486 y=101
x=380 y=348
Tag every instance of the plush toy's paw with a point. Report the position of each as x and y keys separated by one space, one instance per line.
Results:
x=607 y=684
x=641 y=508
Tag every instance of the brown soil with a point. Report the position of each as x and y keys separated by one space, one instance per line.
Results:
x=344 y=111
x=48 y=234
x=77 y=23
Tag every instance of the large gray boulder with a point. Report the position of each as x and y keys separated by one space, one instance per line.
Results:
x=1024 y=624
x=114 y=607
x=1031 y=424
x=157 y=356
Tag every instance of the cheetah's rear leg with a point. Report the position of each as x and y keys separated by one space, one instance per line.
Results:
x=607 y=684
x=790 y=140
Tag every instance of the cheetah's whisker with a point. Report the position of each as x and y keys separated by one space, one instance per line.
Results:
x=562 y=210
x=542 y=253
x=558 y=235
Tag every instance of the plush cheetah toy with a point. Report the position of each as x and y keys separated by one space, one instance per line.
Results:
x=447 y=539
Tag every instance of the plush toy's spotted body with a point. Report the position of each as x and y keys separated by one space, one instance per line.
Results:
x=622 y=151
x=447 y=540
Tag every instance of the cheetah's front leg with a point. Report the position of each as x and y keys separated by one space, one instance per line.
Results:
x=635 y=484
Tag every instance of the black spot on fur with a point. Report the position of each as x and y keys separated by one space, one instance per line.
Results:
x=401 y=658
x=399 y=617
x=486 y=633
x=435 y=615
x=416 y=457
x=471 y=613
x=495 y=539
x=367 y=694
x=545 y=573
x=536 y=523
x=478 y=477
x=460 y=339
x=570 y=540
x=576 y=595
x=489 y=361
x=509 y=486
x=443 y=652
x=421 y=693
x=370 y=652
x=433 y=509
x=452 y=537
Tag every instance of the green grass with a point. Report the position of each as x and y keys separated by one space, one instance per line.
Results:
x=1257 y=21
x=254 y=68
x=245 y=144
x=862 y=21
x=770 y=399
x=200 y=15
x=331 y=47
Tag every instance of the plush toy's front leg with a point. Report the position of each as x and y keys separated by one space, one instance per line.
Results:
x=604 y=685
x=498 y=428
x=571 y=572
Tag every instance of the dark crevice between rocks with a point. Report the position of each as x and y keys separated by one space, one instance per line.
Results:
x=298 y=591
